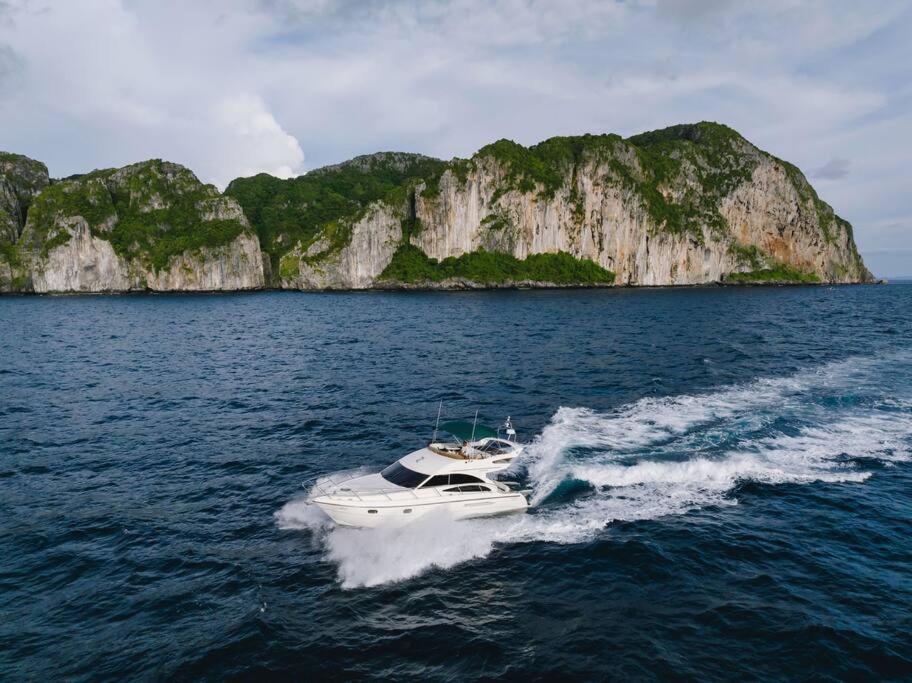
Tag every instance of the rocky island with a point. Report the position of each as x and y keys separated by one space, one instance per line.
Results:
x=686 y=205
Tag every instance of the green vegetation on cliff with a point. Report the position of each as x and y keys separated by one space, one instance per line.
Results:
x=286 y=212
x=21 y=179
x=548 y=165
x=661 y=168
x=411 y=265
x=59 y=203
x=151 y=211
x=778 y=273
x=164 y=210
x=709 y=155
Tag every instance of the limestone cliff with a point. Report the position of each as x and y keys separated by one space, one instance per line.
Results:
x=687 y=205
x=148 y=226
x=690 y=204
x=366 y=247
x=21 y=180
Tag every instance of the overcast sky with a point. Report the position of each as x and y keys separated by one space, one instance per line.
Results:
x=235 y=87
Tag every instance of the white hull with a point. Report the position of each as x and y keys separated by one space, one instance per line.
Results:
x=452 y=479
x=389 y=513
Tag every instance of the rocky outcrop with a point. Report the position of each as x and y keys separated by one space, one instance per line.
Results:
x=86 y=263
x=351 y=260
x=149 y=226
x=691 y=204
x=688 y=205
x=21 y=179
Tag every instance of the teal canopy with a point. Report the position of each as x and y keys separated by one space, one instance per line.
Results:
x=463 y=430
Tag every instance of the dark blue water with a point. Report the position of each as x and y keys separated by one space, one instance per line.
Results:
x=722 y=485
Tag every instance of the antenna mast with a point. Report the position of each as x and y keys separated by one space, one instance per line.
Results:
x=437 y=424
x=473 y=425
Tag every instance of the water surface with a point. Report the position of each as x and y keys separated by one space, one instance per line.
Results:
x=721 y=480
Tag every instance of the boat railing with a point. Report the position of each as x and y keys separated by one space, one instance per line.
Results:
x=333 y=485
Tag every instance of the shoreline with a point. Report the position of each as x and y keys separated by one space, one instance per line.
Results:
x=424 y=288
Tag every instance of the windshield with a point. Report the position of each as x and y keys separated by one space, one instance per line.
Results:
x=495 y=447
x=402 y=476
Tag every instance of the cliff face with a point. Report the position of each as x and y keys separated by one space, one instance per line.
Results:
x=687 y=205
x=148 y=226
x=767 y=219
x=366 y=247
x=21 y=179
x=690 y=204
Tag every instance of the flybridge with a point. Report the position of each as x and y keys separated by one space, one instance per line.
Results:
x=472 y=440
x=468 y=431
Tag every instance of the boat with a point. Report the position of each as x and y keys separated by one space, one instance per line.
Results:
x=452 y=477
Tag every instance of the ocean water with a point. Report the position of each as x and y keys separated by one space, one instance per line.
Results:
x=721 y=479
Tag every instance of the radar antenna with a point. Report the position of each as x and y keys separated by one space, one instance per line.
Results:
x=508 y=427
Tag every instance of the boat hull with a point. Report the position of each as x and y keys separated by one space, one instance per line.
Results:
x=387 y=514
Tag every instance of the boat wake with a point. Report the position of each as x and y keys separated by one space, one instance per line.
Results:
x=653 y=458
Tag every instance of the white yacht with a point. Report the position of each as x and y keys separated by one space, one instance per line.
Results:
x=450 y=476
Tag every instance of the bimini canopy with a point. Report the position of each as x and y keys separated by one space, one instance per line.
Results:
x=463 y=430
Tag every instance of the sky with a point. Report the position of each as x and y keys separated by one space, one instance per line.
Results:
x=234 y=87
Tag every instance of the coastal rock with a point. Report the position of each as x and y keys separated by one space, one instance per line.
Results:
x=86 y=263
x=21 y=179
x=765 y=221
x=367 y=246
x=148 y=226
x=237 y=265
x=687 y=205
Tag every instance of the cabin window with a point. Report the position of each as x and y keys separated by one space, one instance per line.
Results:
x=372 y=512
x=438 y=480
x=402 y=476
x=468 y=488
x=464 y=479
x=406 y=511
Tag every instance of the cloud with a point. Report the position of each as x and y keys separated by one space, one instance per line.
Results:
x=834 y=169
x=233 y=87
x=10 y=65
x=128 y=84
x=259 y=142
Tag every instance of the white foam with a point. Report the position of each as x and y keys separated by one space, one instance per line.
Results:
x=368 y=557
x=299 y=514
x=649 y=459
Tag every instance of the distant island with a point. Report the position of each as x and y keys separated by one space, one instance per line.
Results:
x=687 y=205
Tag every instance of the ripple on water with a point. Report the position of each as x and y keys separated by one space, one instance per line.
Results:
x=721 y=485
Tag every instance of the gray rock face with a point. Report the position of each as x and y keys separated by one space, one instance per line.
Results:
x=692 y=204
x=86 y=263
x=21 y=179
x=742 y=212
x=356 y=265
x=148 y=226
x=616 y=231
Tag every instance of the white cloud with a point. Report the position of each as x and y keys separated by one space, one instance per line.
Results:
x=258 y=143
x=240 y=86
x=120 y=85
